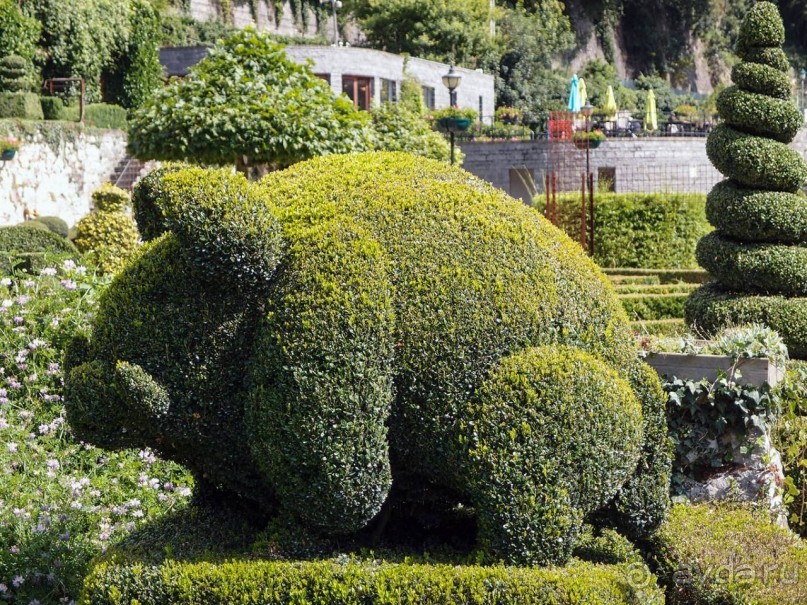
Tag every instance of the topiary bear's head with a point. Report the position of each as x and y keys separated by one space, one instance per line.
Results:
x=302 y=339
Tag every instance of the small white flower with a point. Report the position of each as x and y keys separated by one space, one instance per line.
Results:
x=5 y=282
x=7 y=303
x=12 y=447
x=48 y=271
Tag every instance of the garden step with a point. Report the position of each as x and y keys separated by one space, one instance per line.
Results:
x=648 y=280
x=654 y=306
x=127 y=173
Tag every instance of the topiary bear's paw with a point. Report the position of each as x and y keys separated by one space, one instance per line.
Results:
x=221 y=219
x=146 y=398
x=551 y=436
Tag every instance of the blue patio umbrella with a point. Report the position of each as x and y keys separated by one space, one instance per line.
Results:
x=574 y=95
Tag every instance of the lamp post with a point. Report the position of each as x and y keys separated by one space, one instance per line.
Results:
x=803 y=77
x=587 y=217
x=586 y=111
x=334 y=5
x=452 y=80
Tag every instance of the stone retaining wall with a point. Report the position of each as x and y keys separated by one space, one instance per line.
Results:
x=58 y=166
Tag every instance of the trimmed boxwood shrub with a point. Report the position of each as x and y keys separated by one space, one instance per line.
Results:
x=107 y=235
x=640 y=229
x=729 y=554
x=401 y=286
x=145 y=202
x=760 y=114
x=14 y=72
x=641 y=306
x=754 y=161
x=25 y=246
x=23 y=105
x=712 y=307
x=355 y=582
x=761 y=79
x=593 y=440
x=763 y=268
x=53 y=223
x=100 y=115
x=756 y=215
x=772 y=57
x=762 y=27
x=53 y=108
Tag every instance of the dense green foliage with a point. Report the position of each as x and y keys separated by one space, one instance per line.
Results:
x=53 y=108
x=18 y=33
x=762 y=250
x=761 y=79
x=100 y=115
x=107 y=235
x=647 y=306
x=402 y=287
x=396 y=128
x=61 y=502
x=727 y=554
x=22 y=105
x=246 y=103
x=757 y=215
x=654 y=231
x=24 y=245
x=14 y=74
x=55 y=224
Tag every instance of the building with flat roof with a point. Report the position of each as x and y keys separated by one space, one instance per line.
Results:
x=368 y=77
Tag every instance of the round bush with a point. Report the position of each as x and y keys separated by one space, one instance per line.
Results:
x=28 y=246
x=760 y=114
x=765 y=268
x=110 y=198
x=758 y=216
x=754 y=161
x=762 y=79
x=762 y=27
x=396 y=287
x=772 y=57
x=592 y=441
x=713 y=307
x=55 y=224
x=108 y=239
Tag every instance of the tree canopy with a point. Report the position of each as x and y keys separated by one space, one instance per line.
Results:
x=247 y=103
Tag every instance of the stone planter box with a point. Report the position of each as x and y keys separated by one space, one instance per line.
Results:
x=695 y=367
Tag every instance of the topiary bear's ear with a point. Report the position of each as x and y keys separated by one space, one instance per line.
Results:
x=146 y=205
x=220 y=218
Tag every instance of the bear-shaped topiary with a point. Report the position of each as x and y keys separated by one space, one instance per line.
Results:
x=758 y=253
x=353 y=321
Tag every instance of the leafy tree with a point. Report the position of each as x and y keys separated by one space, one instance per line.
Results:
x=532 y=39
x=455 y=31
x=397 y=128
x=18 y=33
x=247 y=103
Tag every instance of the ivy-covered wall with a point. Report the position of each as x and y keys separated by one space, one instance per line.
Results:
x=56 y=168
x=287 y=18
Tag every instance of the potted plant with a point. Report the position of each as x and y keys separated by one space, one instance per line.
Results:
x=509 y=115
x=588 y=139
x=8 y=148
x=453 y=119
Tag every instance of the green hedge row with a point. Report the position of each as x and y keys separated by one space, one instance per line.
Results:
x=763 y=268
x=639 y=229
x=757 y=215
x=100 y=115
x=360 y=583
x=754 y=161
x=660 y=276
x=711 y=308
x=661 y=327
x=22 y=105
x=762 y=79
x=760 y=114
x=27 y=246
x=632 y=288
x=730 y=555
x=653 y=306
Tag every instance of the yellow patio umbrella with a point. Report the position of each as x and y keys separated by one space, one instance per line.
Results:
x=581 y=91
x=610 y=108
x=651 y=118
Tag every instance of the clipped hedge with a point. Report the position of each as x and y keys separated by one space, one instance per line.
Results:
x=54 y=224
x=107 y=235
x=22 y=105
x=641 y=306
x=25 y=246
x=401 y=285
x=100 y=115
x=729 y=554
x=358 y=583
x=641 y=230
x=762 y=27
x=756 y=215
x=755 y=161
x=772 y=57
x=53 y=108
x=593 y=440
x=763 y=268
x=762 y=79
x=760 y=114
x=711 y=308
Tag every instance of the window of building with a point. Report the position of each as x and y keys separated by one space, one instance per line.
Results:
x=389 y=91
x=360 y=90
x=481 y=108
x=428 y=97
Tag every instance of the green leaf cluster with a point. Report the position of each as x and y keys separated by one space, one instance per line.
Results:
x=247 y=103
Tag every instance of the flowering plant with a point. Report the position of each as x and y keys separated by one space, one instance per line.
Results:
x=593 y=135
x=9 y=144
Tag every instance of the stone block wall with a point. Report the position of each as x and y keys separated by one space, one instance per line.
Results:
x=208 y=10
x=58 y=166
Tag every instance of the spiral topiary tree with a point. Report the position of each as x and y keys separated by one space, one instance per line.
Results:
x=758 y=252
